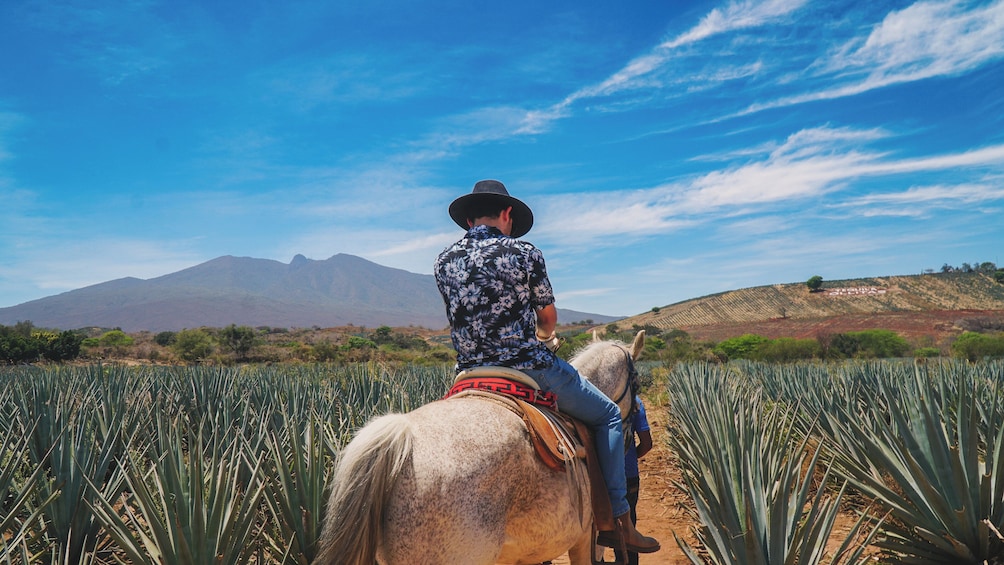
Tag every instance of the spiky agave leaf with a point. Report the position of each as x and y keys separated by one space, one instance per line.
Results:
x=927 y=461
x=749 y=470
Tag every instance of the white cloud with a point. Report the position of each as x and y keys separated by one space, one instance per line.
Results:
x=925 y=201
x=924 y=40
x=737 y=15
x=634 y=75
x=809 y=164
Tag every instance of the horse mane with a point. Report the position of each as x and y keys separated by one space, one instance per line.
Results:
x=588 y=354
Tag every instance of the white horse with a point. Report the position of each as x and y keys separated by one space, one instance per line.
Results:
x=457 y=482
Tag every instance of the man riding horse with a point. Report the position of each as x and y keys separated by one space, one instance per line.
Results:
x=500 y=306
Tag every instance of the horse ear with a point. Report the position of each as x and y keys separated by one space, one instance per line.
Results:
x=596 y=336
x=638 y=345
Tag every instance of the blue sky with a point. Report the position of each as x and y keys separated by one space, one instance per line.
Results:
x=669 y=150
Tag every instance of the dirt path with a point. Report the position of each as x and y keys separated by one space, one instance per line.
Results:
x=661 y=505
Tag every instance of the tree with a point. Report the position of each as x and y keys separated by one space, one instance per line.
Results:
x=193 y=345
x=164 y=339
x=63 y=347
x=115 y=341
x=382 y=335
x=814 y=283
x=238 y=339
x=15 y=347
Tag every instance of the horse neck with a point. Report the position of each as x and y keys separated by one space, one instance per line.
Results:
x=608 y=366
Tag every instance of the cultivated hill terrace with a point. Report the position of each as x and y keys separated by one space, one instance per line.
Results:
x=914 y=304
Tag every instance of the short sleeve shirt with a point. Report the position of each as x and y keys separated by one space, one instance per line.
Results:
x=492 y=286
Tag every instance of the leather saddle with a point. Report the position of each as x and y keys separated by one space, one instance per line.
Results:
x=557 y=439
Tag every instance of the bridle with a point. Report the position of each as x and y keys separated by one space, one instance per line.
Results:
x=632 y=386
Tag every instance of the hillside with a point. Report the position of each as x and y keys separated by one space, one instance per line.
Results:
x=934 y=305
x=341 y=290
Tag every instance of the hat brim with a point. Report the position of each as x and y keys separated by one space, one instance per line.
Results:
x=522 y=216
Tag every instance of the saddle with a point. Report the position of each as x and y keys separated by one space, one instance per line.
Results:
x=557 y=439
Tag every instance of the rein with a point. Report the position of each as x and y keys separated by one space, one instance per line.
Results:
x=630 y=385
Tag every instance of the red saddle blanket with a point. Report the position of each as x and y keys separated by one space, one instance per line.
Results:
x=506 y=386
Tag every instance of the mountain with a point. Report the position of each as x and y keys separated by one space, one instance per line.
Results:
x=932 y=305
x=341 y=290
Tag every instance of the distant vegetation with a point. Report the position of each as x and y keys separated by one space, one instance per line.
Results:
x=676 y=346
x=986 y=267
x=24 y=344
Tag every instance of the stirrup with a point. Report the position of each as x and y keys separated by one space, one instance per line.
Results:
x=615 y=541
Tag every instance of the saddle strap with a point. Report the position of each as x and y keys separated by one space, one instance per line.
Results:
x=603 y=511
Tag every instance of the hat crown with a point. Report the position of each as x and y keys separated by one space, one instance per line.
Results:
x=489 y=190
x=490 y=187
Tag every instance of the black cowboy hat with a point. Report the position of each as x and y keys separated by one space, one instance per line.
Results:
x=522 y=216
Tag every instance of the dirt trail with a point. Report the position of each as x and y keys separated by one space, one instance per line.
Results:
x=661 y=505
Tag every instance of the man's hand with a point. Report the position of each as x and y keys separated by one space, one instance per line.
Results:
x=551 y=341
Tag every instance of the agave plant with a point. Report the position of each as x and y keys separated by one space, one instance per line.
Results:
x=76 y=446
x=188 y=505
x=934 y=462
x=750 y=474
x=17 y=514
x=296 y=479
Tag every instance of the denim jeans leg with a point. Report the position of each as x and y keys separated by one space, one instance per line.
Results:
x=581 y=400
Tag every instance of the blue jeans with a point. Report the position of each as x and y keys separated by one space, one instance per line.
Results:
x=581 y=400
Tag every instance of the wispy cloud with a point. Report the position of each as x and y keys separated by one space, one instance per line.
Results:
x=924 y=40
x=809 y=164
x=736 y=16
x=962 y=195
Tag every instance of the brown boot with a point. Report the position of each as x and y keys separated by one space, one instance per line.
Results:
x=633 y=540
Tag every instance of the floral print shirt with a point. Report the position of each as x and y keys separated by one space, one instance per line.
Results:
x=493 y=286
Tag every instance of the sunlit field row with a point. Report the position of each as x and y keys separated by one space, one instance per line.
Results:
x=182 y=465
x=770 y=455
x=190 y=465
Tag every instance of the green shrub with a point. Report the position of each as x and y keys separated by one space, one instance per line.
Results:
x=787 y=349
x=881 y=344
x=974 y=346
x=193 y=345
x=742 y=347
x=165 y=339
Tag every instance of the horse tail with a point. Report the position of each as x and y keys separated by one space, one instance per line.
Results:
x=362 y=484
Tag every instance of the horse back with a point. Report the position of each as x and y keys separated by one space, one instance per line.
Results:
x=475 y=492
